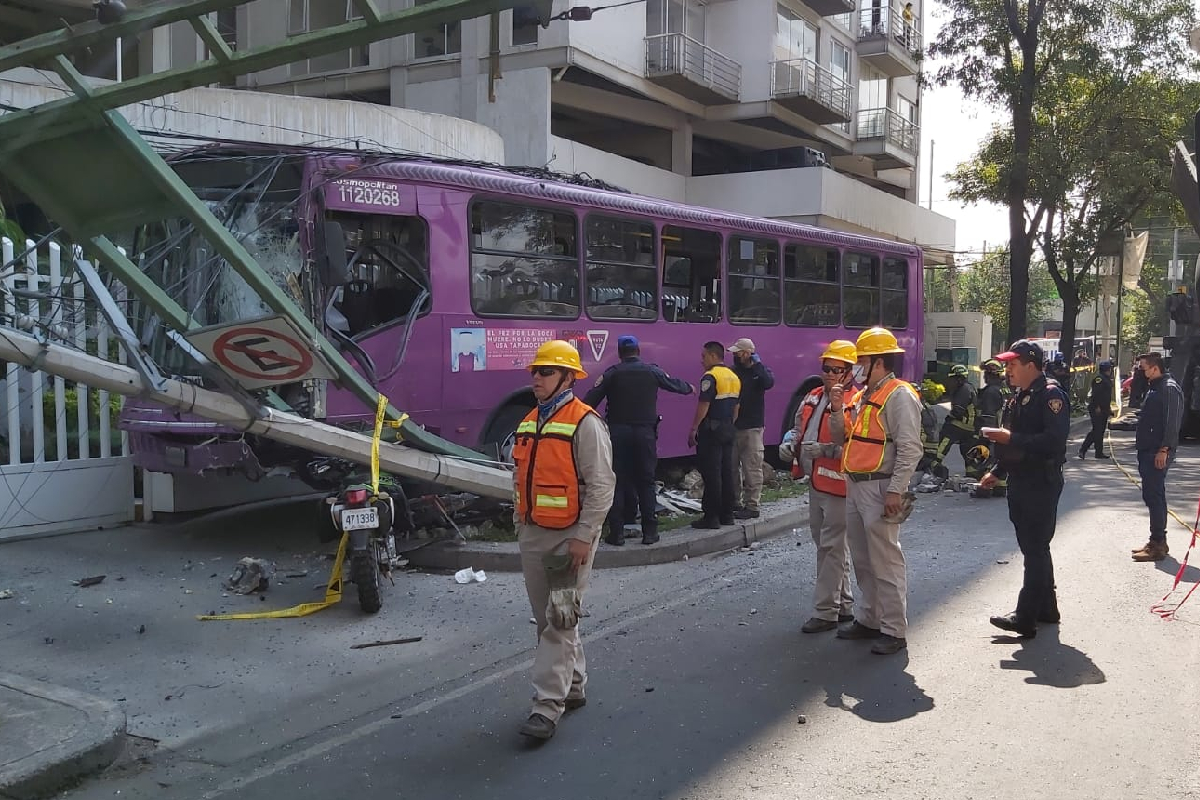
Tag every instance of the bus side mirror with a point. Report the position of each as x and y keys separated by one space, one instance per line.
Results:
x=331 y=259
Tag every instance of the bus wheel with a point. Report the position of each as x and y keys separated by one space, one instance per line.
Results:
x=501 y=434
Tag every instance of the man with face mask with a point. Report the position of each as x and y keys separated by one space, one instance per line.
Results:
x=820 y=458
x=882 y=450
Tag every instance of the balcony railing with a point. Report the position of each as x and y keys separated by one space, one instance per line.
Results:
x=883 y=123
x=877 y=22
x=678 y=54
x=802 y=77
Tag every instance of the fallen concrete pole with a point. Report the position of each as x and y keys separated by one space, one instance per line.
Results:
x=25 y=350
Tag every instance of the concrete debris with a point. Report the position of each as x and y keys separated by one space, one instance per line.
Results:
x=83 y=583
x=6 y=594
x=250 y=575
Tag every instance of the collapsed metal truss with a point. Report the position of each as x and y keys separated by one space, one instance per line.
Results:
x=86 y=166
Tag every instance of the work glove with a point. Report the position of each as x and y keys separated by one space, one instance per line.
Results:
x=787 y=447
x=563 y=609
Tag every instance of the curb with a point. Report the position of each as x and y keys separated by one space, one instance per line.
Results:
x=90 y=746
x=505 y=556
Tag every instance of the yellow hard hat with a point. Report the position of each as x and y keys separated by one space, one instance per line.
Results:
x=840 y=350
x=877 y=342
x=557 y=353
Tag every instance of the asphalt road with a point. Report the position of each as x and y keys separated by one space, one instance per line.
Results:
x=699 y=677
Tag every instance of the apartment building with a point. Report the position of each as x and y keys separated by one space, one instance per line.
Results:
x=806 y=111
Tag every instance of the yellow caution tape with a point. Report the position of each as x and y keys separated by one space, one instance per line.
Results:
x=333 y=595
x=380 y=410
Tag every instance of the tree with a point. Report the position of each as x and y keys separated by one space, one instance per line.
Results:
x=984 y=287
x=1005 y=52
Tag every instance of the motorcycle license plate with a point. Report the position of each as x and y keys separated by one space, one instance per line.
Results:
x=357 y=519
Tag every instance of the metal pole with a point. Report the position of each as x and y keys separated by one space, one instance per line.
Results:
x=120 y=70
x=1174 y=282
x=1120 y=295
x=929 y=201
x=25 y=350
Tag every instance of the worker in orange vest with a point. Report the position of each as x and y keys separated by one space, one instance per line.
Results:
x=882 y=450
x=563 y=486
x=819 y=456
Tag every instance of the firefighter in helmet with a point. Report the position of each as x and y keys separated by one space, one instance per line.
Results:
x=959 y=427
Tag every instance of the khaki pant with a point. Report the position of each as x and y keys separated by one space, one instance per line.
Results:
x=559 y=667
x=878 y=559
x=832 y=595
x=748 y=464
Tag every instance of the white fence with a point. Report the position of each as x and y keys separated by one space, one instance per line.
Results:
x=64 y=466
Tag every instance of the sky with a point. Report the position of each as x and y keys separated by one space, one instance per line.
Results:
x=954 y=127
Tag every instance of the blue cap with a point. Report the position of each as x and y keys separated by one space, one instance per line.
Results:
x=627 y=343
x=1106 y=364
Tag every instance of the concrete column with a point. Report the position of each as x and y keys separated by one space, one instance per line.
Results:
x=681 y=149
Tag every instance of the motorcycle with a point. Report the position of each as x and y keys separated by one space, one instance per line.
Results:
x=371 y=522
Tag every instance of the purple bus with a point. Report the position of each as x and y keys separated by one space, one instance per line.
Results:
x=455 y=273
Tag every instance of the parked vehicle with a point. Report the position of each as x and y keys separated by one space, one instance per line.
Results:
x=439 y=280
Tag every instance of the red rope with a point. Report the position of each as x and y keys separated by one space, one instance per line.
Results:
x=1167 y=610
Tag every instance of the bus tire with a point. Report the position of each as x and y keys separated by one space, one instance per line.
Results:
x=502 y=426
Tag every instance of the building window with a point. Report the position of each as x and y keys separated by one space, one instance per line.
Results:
x=621 y=273
x=753 y=281
x=691 y=275
x=525 y=25
x=860 y=293
x=895 y=293
x=524 y=261
x=839 y=62
x=794 y=37
x=314 y=15
x=675 y=16
x=443 y=40
x=812 y=290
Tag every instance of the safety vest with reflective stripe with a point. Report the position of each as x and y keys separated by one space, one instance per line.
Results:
x=547 y=480
x=867 y=442
x=827 y=474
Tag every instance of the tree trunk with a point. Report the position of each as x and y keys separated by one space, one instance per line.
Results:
x=1069 y=293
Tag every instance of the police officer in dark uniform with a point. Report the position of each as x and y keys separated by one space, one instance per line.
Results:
x=1031 y=447
x=630 y=388
x=712 y=435
x=1099 y=408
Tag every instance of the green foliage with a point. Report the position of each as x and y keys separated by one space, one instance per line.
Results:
x=1081 y=84
x=9 y=229
x=931 y=391
x=985 y=287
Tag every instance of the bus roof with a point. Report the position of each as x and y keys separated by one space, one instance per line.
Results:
x=547 y=186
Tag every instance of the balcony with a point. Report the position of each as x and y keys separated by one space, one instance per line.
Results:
x=887 y=42
x=693 y=69
x=831 y=8
x=800 y=85
x=887 y=138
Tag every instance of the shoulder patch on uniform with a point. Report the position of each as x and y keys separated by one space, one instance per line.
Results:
x=706 y=382
x=600 y=380
x=1025 y=400
x=1056 y=404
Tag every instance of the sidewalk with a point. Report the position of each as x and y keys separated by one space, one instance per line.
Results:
x=777 y=519
x=51 y=736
